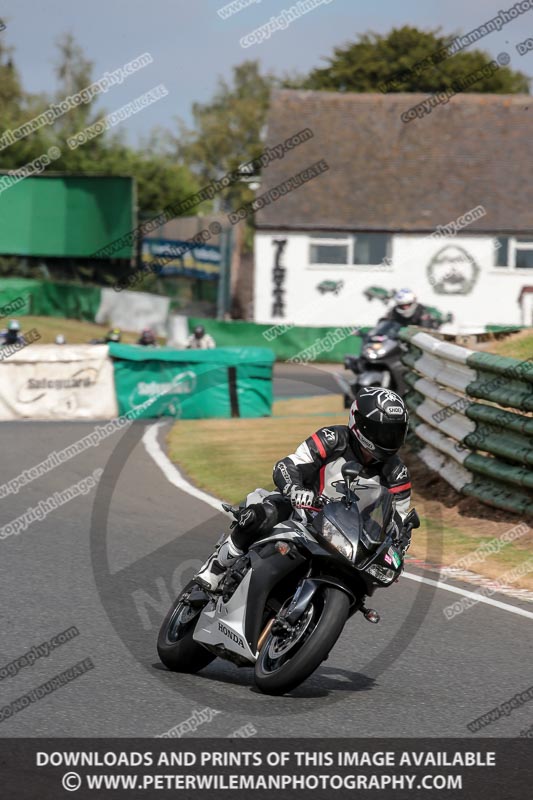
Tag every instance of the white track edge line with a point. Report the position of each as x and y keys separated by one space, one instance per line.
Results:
x=174 y=476
x=474 y=595
x=171 y=472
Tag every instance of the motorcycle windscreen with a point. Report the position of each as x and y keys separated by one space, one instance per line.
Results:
x=375 y=508
x=367 y=520
x=386 y=328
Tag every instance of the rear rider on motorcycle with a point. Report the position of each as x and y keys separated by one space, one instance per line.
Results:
x=408 y=311
x=376 y=430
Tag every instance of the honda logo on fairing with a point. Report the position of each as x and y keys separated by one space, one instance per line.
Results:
x=233 y=636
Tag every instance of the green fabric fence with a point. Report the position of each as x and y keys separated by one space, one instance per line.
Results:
x=20 y=296
x=193 y=384
x=325 y=344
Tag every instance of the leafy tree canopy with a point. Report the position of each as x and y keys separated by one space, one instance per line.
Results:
x=161 y=178
x=374 y=62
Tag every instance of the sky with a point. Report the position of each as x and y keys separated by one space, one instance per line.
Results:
x=191 y=45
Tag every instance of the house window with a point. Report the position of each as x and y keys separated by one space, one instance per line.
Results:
x=502 y=253
x=362 y=249
x=329 y=250
x=370 y=248
x=523 y=253
x=515 y=252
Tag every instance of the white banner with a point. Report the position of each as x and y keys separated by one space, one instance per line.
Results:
x=58 y=382
x=177 y=330
x=133 y=311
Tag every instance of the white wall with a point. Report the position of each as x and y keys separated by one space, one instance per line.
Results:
x=492 y=300
x=527 y=308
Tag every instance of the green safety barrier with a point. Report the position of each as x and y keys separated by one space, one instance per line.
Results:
x=504 y=328
x=498 y=495
x=193 y=384
x=285 y=341
x=494 y=468
x=497 y=455
x=499 y=418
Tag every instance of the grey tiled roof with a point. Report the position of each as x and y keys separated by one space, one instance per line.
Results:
x=388 y=175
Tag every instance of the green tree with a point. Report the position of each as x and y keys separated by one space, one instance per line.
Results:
x=227 y=130
x=18 y=107
x=161 y=178
x=378 y=63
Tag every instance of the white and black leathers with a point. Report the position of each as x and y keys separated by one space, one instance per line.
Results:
x=317 y=464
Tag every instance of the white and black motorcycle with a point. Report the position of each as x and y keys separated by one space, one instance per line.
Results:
x=283 y=605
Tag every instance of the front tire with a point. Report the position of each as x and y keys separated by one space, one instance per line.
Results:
x=176 y=648
x=281 y=667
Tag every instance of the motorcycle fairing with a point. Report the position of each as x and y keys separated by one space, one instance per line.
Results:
x=222 y=624
x=237 y=623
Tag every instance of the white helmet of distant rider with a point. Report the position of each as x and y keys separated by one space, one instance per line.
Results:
x=405 y=303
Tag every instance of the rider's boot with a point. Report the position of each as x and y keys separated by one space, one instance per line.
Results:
x=214 y=569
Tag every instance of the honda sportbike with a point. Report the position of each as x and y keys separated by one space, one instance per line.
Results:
x=282 y=606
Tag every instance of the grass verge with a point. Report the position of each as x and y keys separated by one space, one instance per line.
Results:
x=518 y=345
x=230 y=458
x=75 y=331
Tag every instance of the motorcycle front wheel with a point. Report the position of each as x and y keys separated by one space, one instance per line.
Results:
x=176 y=648
x=286 y=660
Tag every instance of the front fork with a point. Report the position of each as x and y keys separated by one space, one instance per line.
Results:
x=287 y=618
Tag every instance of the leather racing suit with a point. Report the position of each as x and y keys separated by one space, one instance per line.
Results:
x=315 y=465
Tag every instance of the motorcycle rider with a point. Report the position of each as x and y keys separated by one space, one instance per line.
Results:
x=113 y=335
x=376 y=430
x=200 y=340
x=12 y=334
x=147 y=338
x=408 y=311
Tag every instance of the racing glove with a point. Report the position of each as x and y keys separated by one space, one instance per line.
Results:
x=301 y=497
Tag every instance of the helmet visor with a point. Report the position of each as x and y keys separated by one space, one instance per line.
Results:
x=388 y=436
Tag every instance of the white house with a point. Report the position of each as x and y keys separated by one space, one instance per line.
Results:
x=369 y=204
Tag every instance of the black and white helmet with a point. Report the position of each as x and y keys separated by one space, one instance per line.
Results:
x=379 y=420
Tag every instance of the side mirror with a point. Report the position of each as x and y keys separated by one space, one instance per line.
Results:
x=412 y=520
x=351 y=470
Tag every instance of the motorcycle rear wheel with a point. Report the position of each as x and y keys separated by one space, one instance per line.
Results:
x=176 y=648
x=285 y=662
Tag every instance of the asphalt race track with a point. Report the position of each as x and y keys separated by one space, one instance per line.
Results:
x=291 y=380
x=108 y=563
